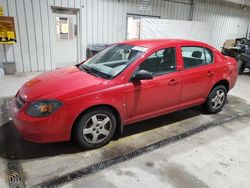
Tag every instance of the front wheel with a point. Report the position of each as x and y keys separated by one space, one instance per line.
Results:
x=95 y=128
x=216 y=99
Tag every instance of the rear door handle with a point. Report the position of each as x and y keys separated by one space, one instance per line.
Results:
x=172 y=82
x=210 y=73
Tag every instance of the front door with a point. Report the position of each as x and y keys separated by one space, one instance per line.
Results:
x=148 y=98
x=65 y=38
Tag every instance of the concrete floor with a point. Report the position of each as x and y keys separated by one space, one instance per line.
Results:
x=10 y=84
x=217 y=157
x=3 y=172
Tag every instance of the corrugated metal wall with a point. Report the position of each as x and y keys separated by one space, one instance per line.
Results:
x=103 y=21
x=230 y=20
x=107 y=22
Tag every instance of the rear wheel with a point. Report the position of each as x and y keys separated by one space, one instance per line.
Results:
x=216 y=99
x=95 y=128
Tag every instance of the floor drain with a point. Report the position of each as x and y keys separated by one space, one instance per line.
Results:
x=14 y=171
x=15 y=177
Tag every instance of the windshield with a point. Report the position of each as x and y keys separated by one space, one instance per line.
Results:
x=112 y=60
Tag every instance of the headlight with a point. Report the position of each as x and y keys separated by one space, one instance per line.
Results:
x=43 y=108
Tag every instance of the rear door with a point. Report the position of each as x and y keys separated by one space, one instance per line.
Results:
x=198 y=73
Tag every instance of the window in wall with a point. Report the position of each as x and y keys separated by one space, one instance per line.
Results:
x=133 y=25
x=64 y=28
x=160 y=62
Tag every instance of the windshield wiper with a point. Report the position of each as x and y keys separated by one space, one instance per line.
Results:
x=85 y=68
x=93 y=71
x=88 y=70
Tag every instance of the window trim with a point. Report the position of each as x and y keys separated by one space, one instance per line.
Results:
x=205 y=48
x=204 y=57
x=175 y=50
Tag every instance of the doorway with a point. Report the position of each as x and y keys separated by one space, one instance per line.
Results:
x=134 y=24
x=65 y=47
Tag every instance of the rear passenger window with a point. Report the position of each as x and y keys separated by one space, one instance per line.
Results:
x=193 y=56
x=160 y=62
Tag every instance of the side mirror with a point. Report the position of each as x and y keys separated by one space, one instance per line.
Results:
x=142 y=75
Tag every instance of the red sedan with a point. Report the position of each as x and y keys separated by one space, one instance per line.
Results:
x=125 y=83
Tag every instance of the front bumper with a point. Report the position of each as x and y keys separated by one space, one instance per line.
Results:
x=54 y=128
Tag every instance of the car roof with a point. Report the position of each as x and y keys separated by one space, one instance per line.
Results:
x=151 y=43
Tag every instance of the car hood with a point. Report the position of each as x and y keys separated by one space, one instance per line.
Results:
x=60 y=83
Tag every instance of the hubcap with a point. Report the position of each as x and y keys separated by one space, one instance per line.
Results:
x=97 y=128
x=218 y=99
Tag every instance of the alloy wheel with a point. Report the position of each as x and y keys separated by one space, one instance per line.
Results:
x=218 y=99
x=97 y=128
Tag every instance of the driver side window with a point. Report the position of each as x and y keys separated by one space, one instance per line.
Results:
x=160 y=62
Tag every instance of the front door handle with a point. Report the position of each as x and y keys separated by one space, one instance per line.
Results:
x=172 y=82
x=210 y=73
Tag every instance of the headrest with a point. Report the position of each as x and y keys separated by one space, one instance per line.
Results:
x=197 y=54
x=169 y=56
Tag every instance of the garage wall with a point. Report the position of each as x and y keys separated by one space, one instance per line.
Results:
x=229 y=19
x=29 y=52
x=103 y=21
x=106 y=20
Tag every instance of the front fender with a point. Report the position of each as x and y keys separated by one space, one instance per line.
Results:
x=114 y=97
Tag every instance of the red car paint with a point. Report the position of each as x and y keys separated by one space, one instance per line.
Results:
x=79 y=91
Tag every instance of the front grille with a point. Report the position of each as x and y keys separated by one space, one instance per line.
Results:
x=19 y=102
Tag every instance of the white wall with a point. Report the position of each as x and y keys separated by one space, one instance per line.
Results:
x=103 y=21
x=177 y=29
x=229 y=21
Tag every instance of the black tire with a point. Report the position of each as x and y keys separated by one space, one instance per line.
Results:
x=208 y=106
x=82 y=139
x=241 y=67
